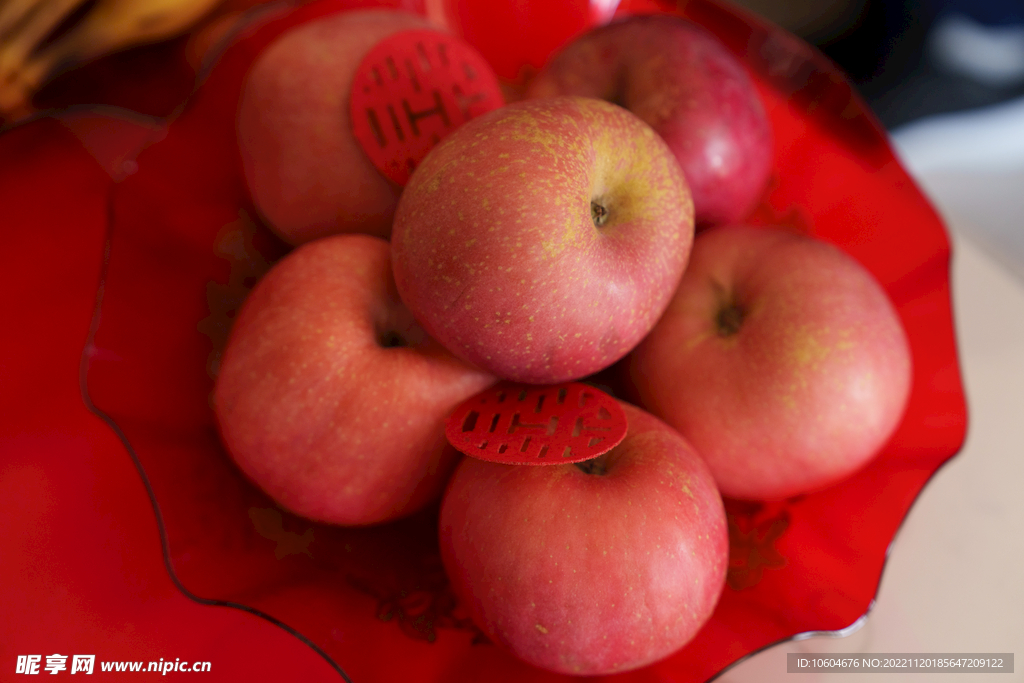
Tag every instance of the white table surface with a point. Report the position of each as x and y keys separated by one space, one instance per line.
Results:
x=954 y=581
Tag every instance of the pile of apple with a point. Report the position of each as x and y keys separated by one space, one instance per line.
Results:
x=540 y=243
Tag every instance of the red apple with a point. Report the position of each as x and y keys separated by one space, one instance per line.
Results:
x=593 y=568
x=780 y=358
x=681 y=80
x=542 y=240
x=307 y=172
x=330 y=397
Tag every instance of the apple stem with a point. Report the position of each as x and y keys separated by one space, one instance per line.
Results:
x=598 y=213
x=729 y=320
x=596 y=466
x=392 y=340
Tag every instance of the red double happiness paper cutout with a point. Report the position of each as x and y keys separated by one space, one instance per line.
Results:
x=412 y=89
x=522 y=424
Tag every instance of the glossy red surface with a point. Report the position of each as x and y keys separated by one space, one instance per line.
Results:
x=83 y=570
x=184 y=247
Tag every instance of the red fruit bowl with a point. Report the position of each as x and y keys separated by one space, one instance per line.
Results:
x=185 y=245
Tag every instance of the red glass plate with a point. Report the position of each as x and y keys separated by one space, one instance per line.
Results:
x=186 y=246
x=82 y=570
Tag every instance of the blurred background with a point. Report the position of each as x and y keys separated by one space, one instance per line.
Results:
x=909 y=59
x=912 y=59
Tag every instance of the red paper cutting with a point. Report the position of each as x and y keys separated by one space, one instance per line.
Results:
x=522 y=424
x=411 y=90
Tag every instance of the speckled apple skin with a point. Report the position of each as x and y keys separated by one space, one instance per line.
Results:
x=806 y=392
x=306 y=172
x=586 y=574
x=496 y=252
x=682 y=81
x=327 y=421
